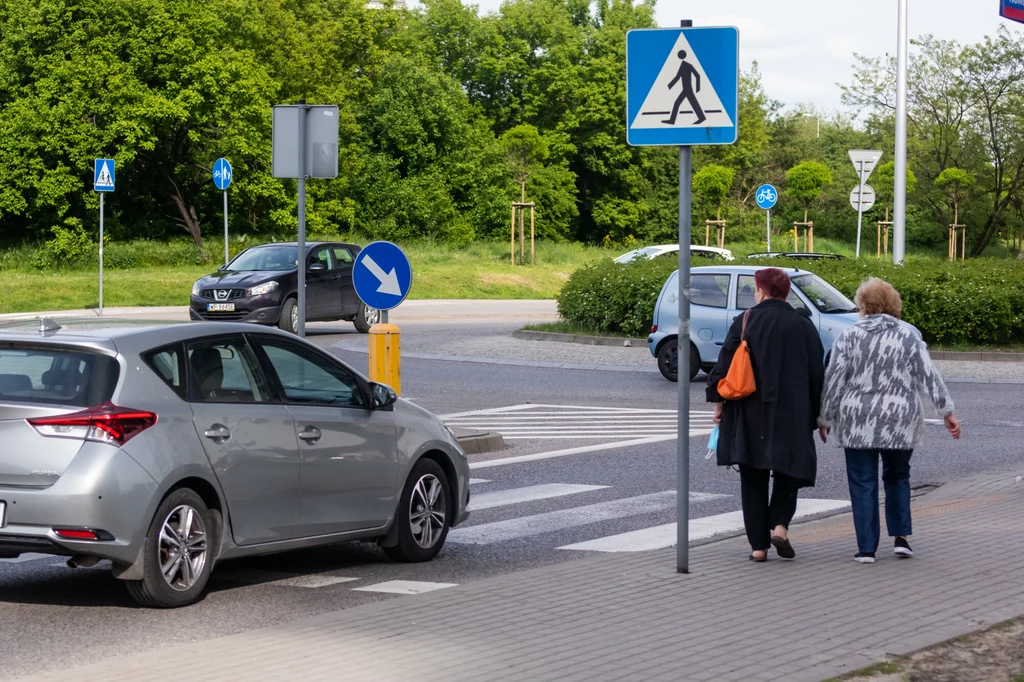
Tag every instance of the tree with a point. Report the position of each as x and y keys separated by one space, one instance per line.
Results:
x=885 y=184
x=806 y=181
x=957 y=184
x=711 y=185
x=525 y=151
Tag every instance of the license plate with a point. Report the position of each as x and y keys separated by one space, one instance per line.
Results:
x=220 y=307
x=3 y=514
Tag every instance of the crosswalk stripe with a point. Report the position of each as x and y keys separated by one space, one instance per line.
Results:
x=478 y=481
x=502 y=498
x=314 y=580
x=661 y=537
x=404 y=587
x=538 y=524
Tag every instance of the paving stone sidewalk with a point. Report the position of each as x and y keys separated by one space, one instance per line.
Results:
x=632 y=617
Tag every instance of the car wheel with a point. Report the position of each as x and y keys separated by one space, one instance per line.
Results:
x=668 y=360
x=289 y=321
x=177 y=558
x=424 y=514
x=366 y=318
x=694 y=362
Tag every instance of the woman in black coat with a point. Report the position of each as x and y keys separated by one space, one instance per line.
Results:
x=772 y=430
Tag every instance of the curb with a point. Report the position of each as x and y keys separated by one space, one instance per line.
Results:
x=527 y=335
x=983 y=356
x=477 y=442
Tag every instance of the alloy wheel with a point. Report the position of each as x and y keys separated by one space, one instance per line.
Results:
x=672 y=360
x=295 y=319
x=427 y=511
x=182 y=548
x=370 y=315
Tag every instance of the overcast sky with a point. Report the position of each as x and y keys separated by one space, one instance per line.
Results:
x=805 y=47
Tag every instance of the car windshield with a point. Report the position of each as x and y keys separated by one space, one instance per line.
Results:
x=825 y=297
x=260 y=258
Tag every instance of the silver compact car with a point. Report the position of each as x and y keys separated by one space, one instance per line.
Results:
x=167 y=448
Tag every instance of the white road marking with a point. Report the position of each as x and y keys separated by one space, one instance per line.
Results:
x=615 y=445
x=555 y=422
x=538 y=524
x=478 y=481
x=660 y=537
x=404 y=587
x=502 y=498
x=28 y=557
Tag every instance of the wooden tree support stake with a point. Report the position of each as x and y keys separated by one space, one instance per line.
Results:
x=954 y=229
x=808 y=236
x=519 y=212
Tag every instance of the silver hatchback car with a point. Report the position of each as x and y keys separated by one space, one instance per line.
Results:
x=166 y=448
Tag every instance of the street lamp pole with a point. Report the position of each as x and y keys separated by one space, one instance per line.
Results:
x=900 y=190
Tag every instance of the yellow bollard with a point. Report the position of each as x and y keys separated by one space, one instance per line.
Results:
x=385 y=360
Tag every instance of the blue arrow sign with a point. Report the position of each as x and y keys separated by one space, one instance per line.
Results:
x=103 y=175
x=682 y=86
x=222 y=174
x=382 y=275
x=766 y=197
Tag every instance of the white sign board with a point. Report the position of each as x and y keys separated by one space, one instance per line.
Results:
x=864 y=162
x=862 y=198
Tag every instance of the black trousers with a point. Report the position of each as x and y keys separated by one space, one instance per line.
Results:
x=760 y=515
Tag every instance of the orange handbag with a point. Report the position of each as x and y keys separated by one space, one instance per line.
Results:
x=739 y=382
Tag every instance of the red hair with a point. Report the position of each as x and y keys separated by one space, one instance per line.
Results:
x=773 y=282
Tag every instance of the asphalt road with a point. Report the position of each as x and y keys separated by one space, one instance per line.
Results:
x=535 y=501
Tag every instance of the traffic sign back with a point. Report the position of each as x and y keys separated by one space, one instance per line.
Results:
x=103 y=175
x=862 y=198
x=766 y=197
x=222 y=174
x=864 y=161
x=382 y=275
x=682 y=86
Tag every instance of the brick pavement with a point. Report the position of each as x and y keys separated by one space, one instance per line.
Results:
x=632 y=617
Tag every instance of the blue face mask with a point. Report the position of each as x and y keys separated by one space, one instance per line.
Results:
x=712 y=443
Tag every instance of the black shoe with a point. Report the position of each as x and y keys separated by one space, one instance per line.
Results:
x=902 y=549
x=758 y=559
x=864 y=557
x=783 y=547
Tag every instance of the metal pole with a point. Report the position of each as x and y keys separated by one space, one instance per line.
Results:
x=683 y=365
x=769 y=229
x=860 y=207
x=899 y=233
x=225 y=227
x=101 y=254
x=301 y=261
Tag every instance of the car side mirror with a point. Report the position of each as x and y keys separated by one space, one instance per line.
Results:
x=317 y=267
x=384 y=397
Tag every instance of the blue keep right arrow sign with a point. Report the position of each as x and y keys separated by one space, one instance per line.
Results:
x=382 y=275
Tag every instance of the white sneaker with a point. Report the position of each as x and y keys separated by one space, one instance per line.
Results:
x=902 y=548
x=864 y=557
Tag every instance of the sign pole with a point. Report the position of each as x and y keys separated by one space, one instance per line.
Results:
x=683 y=365
x=225 y=227
x=860 y=207
x=769 y=229
x=301 y=261
x=899 y=232
x=101 y=255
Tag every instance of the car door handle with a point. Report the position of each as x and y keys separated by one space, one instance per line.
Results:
x=310 y=435
x=218 y=433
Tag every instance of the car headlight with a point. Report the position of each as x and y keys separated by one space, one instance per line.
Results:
x=264 y=288
x=195 y=289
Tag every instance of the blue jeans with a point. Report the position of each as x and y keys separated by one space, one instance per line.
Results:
x=862 y=473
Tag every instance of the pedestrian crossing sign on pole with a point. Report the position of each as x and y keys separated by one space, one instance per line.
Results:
x=682 y=86
x=103 y=175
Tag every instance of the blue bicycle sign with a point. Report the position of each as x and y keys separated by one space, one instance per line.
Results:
x=766 y=197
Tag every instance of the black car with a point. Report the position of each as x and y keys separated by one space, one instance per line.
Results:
x=260 y=286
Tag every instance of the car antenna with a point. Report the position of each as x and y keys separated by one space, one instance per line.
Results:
x=46 y=325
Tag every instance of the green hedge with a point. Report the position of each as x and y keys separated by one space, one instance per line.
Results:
x=977 y=303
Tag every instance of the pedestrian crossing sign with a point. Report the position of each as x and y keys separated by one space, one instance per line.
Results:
x=682 y=86
x=103 y=175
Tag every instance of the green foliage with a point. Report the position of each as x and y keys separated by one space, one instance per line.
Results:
x=805 y=182
x=70 y=245
x=711 y=184
x=610 y=297
x=884 y=183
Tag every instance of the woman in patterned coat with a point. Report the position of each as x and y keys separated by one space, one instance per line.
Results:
x=879 y=368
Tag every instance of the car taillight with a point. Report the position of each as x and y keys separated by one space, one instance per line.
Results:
x=106 y=423
x=75 y=534
x=654 y=329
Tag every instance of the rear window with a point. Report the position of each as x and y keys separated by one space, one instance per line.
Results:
x=56 y=376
